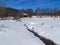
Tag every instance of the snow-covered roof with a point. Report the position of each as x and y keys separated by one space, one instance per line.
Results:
x=24 y=13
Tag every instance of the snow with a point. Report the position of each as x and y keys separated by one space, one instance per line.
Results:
x=14 y=32
x=47 y=27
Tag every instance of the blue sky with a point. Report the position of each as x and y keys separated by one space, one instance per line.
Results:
x=24 y=4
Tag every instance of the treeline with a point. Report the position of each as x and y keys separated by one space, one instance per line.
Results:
x=11 y=12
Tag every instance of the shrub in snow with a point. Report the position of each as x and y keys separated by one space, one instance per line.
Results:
x=52 y=26
x=28 y=26
x=42 y=23
x=3 y=26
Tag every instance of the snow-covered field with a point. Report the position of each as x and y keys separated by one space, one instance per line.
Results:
x=15 y=33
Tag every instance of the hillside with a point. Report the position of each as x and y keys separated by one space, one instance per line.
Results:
x=14 y=32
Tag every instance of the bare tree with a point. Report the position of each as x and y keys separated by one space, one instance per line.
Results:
x=37 y=11
x=2 y=9
x=29 y=12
